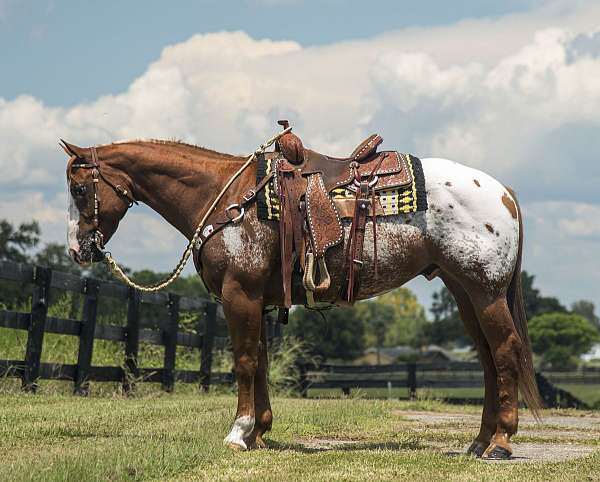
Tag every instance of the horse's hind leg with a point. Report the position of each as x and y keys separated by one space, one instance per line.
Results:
x=262 y=405
x=490 y=407
x=243 y=312
x=505 y=344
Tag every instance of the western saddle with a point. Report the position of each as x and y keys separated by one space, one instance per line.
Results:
x=310 y=222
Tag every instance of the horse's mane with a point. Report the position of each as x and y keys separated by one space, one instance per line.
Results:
x=176 y=142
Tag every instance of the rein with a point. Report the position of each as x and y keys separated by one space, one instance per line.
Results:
x=114 y=267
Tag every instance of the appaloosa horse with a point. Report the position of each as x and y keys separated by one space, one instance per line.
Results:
x=472 y=234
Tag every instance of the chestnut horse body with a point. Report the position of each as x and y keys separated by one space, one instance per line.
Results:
x=471 y=235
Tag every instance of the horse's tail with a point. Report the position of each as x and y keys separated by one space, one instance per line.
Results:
x=527 y=381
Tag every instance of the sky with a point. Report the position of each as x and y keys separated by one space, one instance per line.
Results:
x=509 y=87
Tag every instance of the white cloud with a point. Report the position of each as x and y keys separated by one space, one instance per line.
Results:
x=561 y=248
x=516 y=96
x=578 y=220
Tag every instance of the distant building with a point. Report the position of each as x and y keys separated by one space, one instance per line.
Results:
x=402 y=353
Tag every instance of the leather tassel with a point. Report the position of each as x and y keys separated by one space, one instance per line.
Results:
x=285 y=240
x=374 y=220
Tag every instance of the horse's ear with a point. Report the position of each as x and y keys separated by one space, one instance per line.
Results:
x=72 y=149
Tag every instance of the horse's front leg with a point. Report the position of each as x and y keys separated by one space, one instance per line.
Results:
x=262 y=405
x=243 y=311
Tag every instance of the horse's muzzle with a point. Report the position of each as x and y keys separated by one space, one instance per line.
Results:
x=87 y=254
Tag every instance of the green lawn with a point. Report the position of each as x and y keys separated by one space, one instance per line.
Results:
x=382 y=393
x=589 y=393
x=179 y=437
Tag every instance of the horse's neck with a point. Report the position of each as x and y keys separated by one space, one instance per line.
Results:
x=177 y=182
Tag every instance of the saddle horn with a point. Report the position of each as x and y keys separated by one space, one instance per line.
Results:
x=290 y=145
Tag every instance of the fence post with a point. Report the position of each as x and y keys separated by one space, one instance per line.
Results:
x=412 y=380
x=86 y=337
x=132 y=341
x=170 y=341
x=35 y=336
x=208 y=339
x=269 y=325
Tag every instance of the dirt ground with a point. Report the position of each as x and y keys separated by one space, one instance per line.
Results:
x=557 y=438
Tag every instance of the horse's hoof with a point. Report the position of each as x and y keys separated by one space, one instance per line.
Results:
x=477 y=448
x=495 y=452
x=236 y=447
x=257 y=443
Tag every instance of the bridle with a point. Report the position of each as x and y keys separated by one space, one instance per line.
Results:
x=97 y=175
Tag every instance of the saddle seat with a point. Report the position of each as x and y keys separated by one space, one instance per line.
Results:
x=293 y=150
x=389 y=167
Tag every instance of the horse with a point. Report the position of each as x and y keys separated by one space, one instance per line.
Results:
x=471 y=236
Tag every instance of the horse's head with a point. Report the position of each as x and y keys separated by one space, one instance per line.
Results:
x=99 y=196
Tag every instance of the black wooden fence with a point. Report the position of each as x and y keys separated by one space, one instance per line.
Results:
x=446 y=375
x=37 y=322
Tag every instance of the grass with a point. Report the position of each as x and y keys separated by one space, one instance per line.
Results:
x=179 y=437
x=589 y=393
x=382 y=393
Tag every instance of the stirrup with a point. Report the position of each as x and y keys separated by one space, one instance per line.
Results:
x=310 y=271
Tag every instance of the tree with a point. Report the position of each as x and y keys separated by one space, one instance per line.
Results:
x=56 y=257
x=338 y=333
x=395 y=318
x=15 y=243
x=447 y=327
x=377 y=319
x=535 y=303
x=587 y=310
x=185 y=285
x=560 y=338
x=443 y=305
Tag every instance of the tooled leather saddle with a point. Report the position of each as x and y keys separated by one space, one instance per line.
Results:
x=310 y=222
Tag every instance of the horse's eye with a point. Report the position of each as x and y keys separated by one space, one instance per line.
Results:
x=79 y=190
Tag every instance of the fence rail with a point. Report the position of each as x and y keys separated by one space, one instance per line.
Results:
x=164 y=333
x=448 y=375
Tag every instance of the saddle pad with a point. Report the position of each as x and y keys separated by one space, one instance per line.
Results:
x=406 y=199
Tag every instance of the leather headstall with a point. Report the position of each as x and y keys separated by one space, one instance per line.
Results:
x=96 y=176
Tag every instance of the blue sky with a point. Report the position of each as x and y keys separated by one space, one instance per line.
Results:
x=507 y=87
x=65 y=52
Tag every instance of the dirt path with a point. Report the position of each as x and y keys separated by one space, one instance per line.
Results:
x=557 y=438
x=566 y=435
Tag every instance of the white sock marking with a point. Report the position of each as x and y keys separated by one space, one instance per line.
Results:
x=242 y=428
